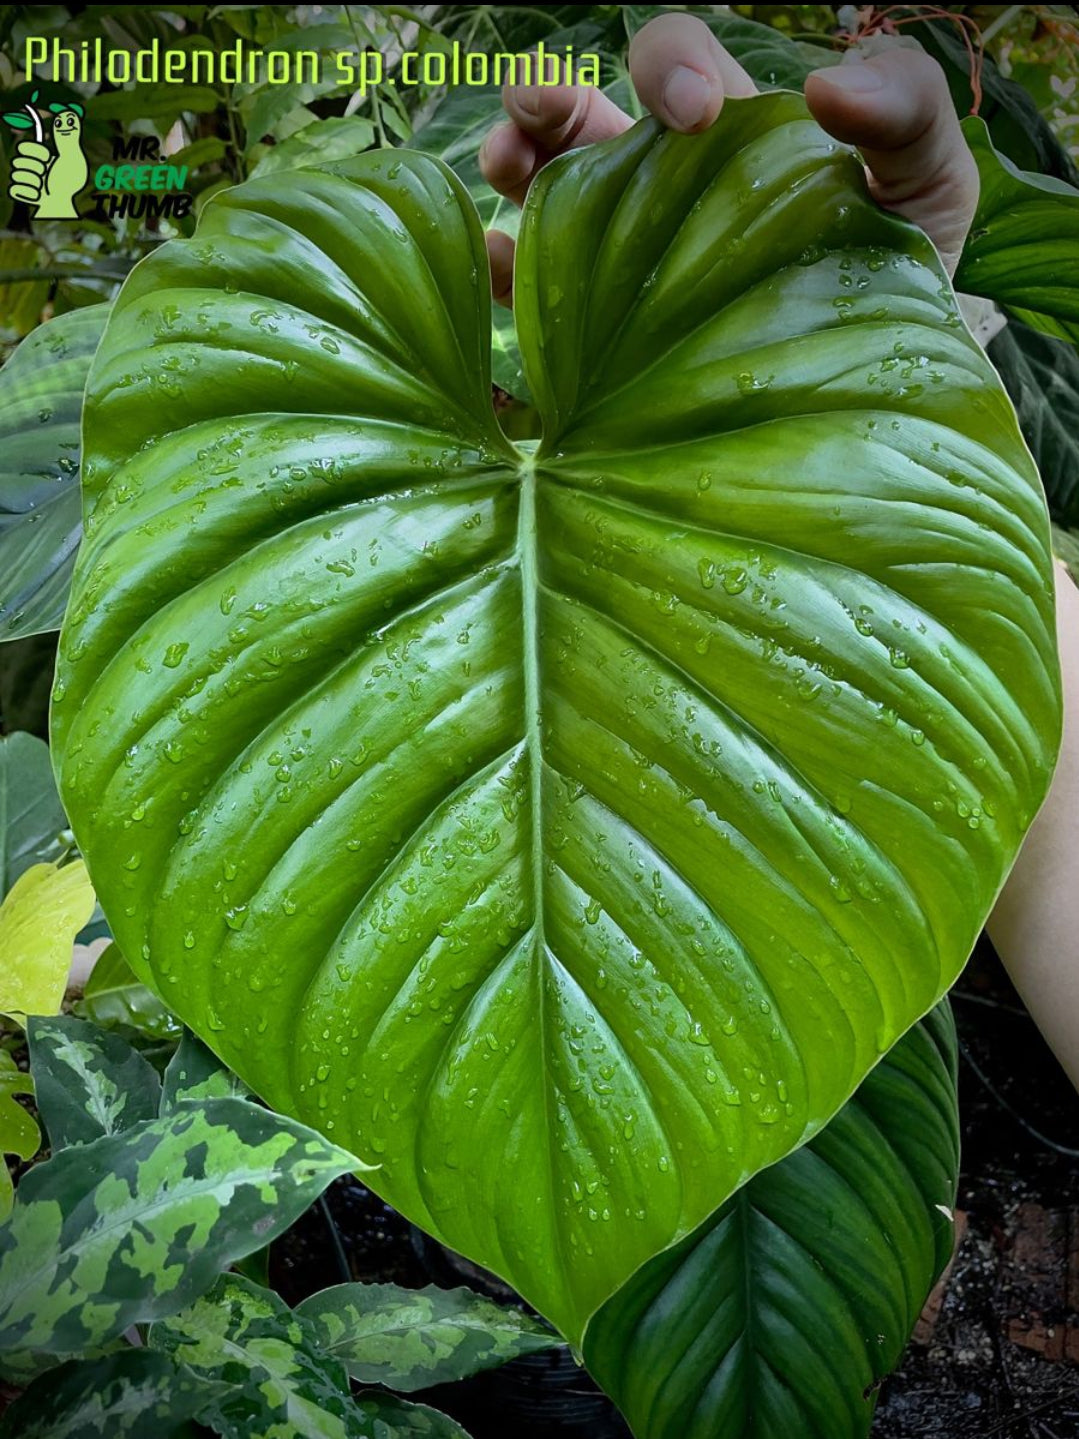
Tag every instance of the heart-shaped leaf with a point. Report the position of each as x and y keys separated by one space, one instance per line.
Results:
x=40 y=514
x=568 y=832
x=1023 y=247
x=782 y=1314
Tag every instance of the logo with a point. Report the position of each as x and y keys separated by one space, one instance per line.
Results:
x=48 y=169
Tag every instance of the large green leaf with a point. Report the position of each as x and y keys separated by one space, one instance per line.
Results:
x=1023 y=247
x=40 y=404
x=1041 y=374
x=134 y=1226
x=510 y=815
x=134 y=1394
x=31 y=815
x=89 y=1082
x=411 y=1339
x=781 y=1315
x=770 y=58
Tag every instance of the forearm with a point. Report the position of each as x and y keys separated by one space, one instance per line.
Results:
x=1035 y=925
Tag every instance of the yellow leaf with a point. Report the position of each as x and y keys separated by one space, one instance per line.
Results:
x=39 y=919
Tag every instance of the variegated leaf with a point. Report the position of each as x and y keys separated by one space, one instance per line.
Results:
x=135 y=1394
x=135 y=1226
x=89 y=1083
x=195 y=1072
x=410 y=1339
x=280 y=1381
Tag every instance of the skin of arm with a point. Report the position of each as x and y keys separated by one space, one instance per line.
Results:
x=896 y=108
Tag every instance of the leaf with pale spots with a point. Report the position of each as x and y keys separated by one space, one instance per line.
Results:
x=89 y=1083
x=133 y=1394
x=281 y=1382
x=134 y=1226
x=412 y=1338
x=195 y=1072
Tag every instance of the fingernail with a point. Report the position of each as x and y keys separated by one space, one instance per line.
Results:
x=687 y=98
x=854 y=76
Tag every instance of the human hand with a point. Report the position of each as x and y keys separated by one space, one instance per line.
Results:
x=895 y=107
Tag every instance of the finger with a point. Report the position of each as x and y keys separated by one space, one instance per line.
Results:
x=897 y=109
x=26 y=166
x=508 y=161
x=682 y=73
x=563 y=117
x=500 y=250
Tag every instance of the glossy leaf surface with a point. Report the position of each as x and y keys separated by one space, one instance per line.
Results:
x=1023 y=247
x=596 y=816
x=89 y=1083
x=40 y=512
x=411 y=1339
x=781 y=1315
x=134 y=1226
x=195 y=1072
x=115 y=999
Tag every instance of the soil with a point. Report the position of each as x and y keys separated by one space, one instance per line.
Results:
x=997 y=1353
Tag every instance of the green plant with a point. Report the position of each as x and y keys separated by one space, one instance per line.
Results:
x=611 y=806
x=153 y=1188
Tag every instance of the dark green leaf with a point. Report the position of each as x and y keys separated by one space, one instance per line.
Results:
x=411 y=1339
x=31 y=815
x=115 y=999
x=195 y=1072
x=89 y=1083
x=386 y=1417
x=1023 y=247
x=513 y=811
x=134 y=1394
x=137 y=1225
x=40 y=519
x=1042 y=376
x=780 y=1316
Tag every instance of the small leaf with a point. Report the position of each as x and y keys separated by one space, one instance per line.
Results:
x=1041 y=374
x=115 y=999
x=134 y=1226
x=195 y=1072
x=19 y=121
x=31 y=815
x=1023 y=246
x=39 y=920
x=279 y=1380
x=19 y=1131
x=412 y=1338
x=41 y=389
x=133 y=1394
x=89 y=1083
x=386 y=1417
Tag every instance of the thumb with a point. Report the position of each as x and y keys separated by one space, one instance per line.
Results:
x=897 y=109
